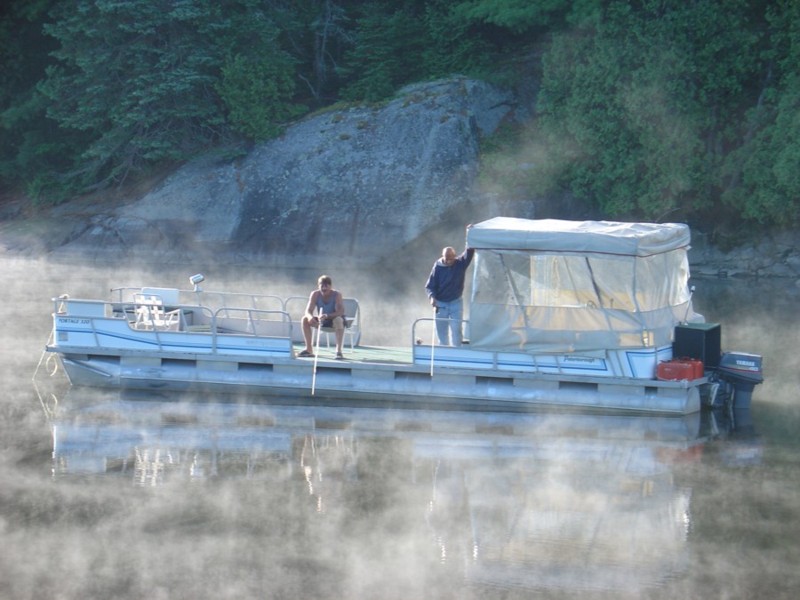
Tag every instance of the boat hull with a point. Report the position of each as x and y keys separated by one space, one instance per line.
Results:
x=353 y=382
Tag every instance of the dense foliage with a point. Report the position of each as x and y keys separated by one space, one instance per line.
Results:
x=654 y=109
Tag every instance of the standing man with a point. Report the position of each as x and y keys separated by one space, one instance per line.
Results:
x=445 y=287
x=327 y=302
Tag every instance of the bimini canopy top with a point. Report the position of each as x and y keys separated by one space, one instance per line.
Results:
x=577 y=286
x=556 y=235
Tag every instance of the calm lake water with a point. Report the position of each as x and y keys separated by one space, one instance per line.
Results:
x=107 y=495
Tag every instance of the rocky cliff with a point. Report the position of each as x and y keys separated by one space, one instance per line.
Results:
x=357 y=183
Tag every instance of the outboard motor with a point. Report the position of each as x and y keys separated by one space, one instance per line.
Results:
x=742 y=371
x=732 y=375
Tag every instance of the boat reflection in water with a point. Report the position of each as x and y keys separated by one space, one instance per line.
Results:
x=533 y=500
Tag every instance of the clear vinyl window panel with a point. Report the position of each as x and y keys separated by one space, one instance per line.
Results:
x=627 y=283
x=577 y=301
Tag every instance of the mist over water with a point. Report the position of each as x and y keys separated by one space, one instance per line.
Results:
x=130 y=496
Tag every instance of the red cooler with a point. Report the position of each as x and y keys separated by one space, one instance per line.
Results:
x=680 y=368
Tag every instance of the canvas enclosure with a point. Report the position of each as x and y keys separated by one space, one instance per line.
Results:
x=577 y=286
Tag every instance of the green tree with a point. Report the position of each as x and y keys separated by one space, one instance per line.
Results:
x=640 y=105
x=258 y=92
x=316 y=33
x=400 y=43
x=387 y=53
x=523 y=16
x=141 y=79
x=762 y=174
x=31 y=141
x=135 y=77
x=454 y=44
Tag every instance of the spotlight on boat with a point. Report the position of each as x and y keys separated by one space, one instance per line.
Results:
x=196 y=280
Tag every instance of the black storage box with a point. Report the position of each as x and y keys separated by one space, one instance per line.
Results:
x=698 y=340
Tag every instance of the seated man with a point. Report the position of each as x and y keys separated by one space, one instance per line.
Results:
x=327 y=302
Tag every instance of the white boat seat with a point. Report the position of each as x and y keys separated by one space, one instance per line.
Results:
x=352 y=324
x=150 y=314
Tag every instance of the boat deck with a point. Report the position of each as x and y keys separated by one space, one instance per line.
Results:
x=388 y=355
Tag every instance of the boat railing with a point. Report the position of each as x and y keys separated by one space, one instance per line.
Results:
x=423 y=336
x=426 y=350
x=149 y=314
x=64 y=305
x=83 y=311
x=252 y=321
x=193 y=318
x=233 y=300
x=211 y=299
x=184 y=317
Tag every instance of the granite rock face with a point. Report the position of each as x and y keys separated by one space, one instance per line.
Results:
x=357 y=183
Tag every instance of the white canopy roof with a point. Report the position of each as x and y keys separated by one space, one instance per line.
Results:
x=556 y=235
x=549 y=285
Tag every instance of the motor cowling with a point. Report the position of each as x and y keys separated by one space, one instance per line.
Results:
x=741 y=367
x=743 y=372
